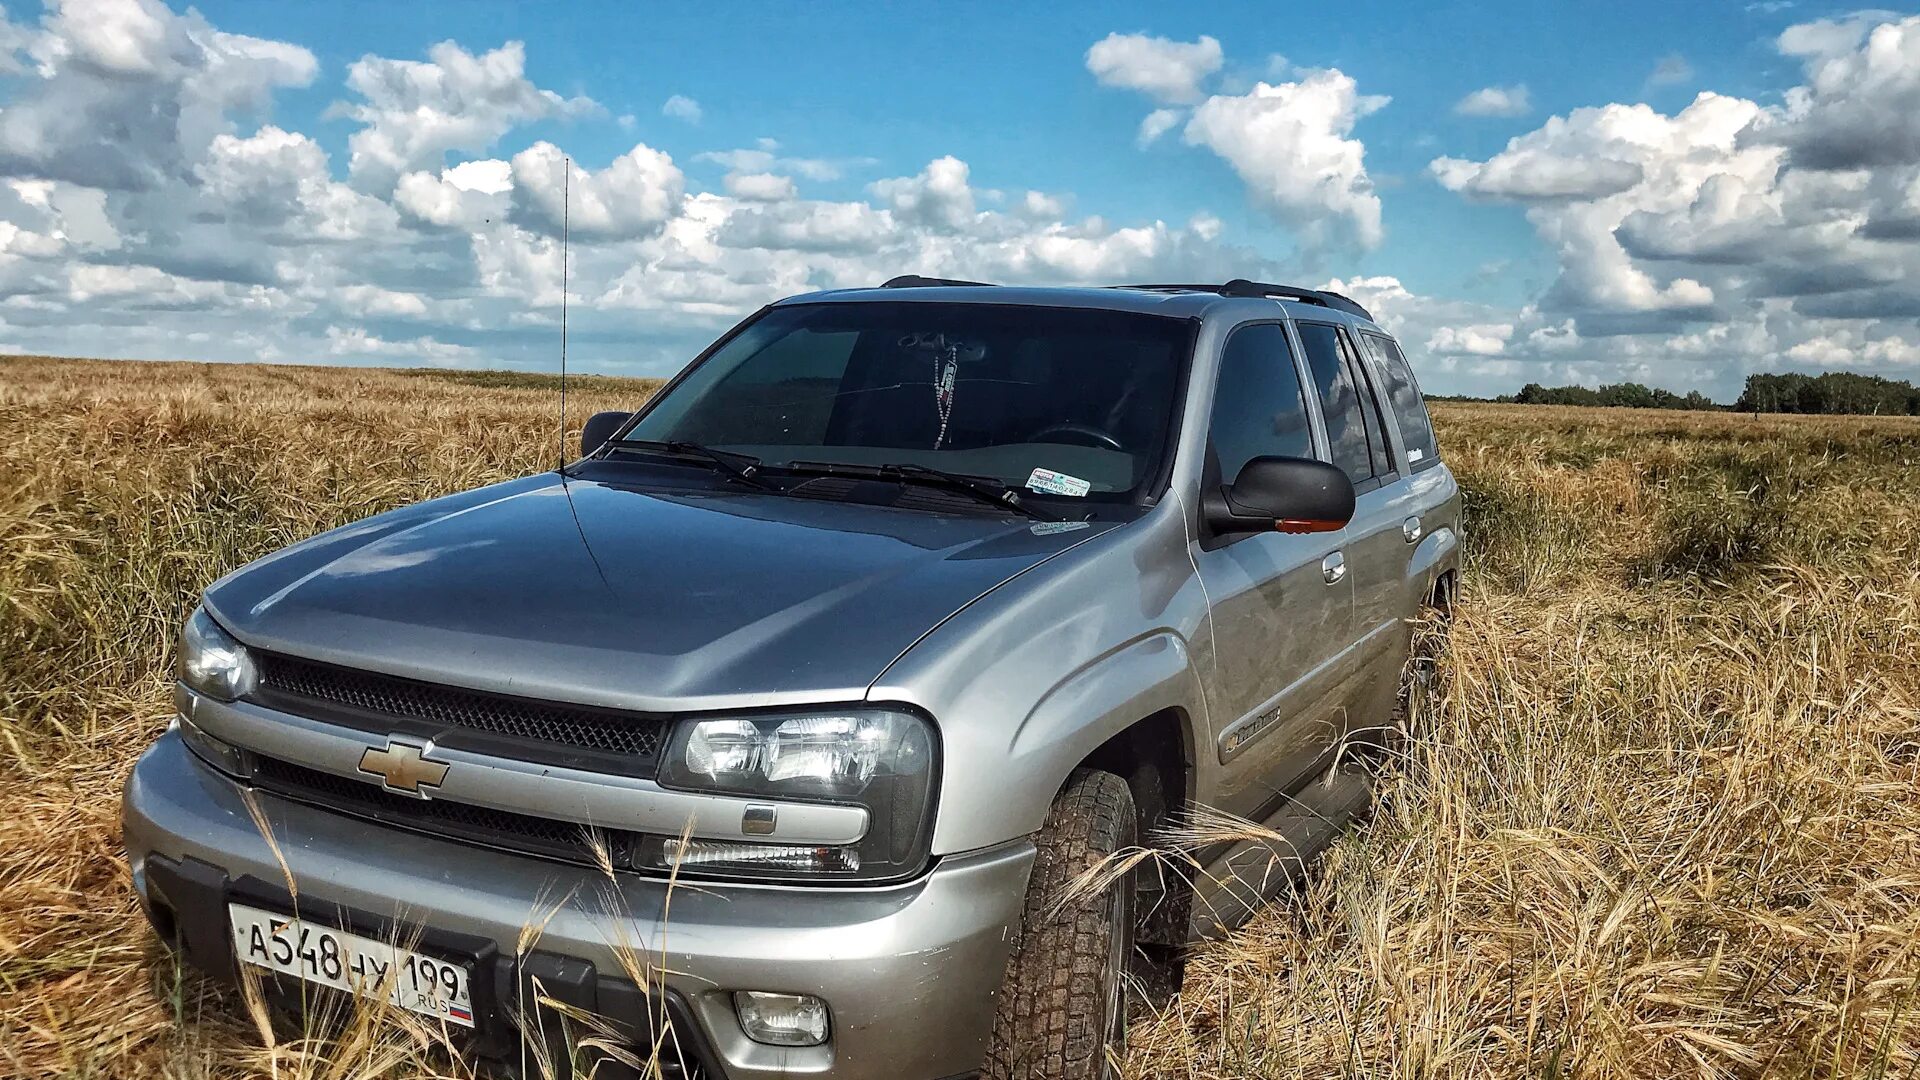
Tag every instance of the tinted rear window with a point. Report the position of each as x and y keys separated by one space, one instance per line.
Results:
x=1403 y=395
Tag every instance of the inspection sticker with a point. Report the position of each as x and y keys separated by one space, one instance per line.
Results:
x=1048 y=482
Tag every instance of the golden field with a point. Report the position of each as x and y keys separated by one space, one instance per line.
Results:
x=1661 y=817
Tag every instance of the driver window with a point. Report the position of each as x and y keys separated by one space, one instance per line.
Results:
x=1258 y=408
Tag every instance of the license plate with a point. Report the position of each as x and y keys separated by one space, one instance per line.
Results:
x=320 y=954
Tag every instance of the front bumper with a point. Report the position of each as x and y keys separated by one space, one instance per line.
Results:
x=909 y=972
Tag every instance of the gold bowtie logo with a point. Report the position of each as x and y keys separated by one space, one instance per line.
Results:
x=403 y=766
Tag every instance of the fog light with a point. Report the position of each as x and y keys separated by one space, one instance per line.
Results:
x=782 y=1019
x=724 y=855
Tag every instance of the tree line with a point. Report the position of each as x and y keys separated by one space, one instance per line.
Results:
x=1833 y=393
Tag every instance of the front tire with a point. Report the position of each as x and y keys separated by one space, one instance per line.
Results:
x=1063 y=1005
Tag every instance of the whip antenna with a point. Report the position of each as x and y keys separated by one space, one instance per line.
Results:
x=566 y=236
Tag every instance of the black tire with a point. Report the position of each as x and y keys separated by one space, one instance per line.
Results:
x=1430 y=641
x=1064 y=1001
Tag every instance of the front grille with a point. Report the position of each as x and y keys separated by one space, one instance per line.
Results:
x=578 y=736
x=461 y=821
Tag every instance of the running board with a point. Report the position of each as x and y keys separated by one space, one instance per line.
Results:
x=1240 y=881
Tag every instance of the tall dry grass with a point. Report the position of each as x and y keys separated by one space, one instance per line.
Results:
x=1662 y=818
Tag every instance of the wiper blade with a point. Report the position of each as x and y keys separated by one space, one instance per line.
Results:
x=742 y=467
x=986 y=491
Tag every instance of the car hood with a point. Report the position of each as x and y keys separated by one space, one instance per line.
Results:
x=595 y=592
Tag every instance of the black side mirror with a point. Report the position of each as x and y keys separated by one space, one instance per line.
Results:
x=600 y=427
x=1292 y=495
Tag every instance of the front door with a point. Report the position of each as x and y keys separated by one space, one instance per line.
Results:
x=1282 y=604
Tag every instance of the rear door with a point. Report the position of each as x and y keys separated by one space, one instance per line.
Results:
x=1378 y=545
x=1280 y=619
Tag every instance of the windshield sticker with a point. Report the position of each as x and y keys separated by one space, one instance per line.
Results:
x=1050 y=528
x=1048 y=482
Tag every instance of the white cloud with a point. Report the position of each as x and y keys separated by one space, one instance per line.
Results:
x=1158 y=123
x=1496 y=101
x=761 y=187
x=1860 y=107
x=1584 y=175
x=414 y=112
x=1292 y=145
x=682 y=107
x=1691 y=246
x=1169 y=71
x=632 y=197
x=357 y=342
x=126 y=95
x=1486 y=339
x=939 y=197
x=766 y=157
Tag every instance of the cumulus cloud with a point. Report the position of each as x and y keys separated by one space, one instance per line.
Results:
x=1158 y=123
x=1691 y=245
x=1169 y=71
x=630 y=198
x=761 y=187
x=1732 y=234
x=1584 y=175
x=1486 y=339
x=682 y=107
x=127 y=95
x=939 y=197
x=1292 y=144
x=414 y=112
x=1496 y=101
x=1860 y=106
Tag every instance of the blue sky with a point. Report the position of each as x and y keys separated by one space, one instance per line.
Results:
x=290 y=184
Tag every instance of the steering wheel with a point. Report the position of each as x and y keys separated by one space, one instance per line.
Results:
x=1093 y=435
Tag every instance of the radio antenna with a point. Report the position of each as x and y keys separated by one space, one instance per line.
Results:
x=566 y=237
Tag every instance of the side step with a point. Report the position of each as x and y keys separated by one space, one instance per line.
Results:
x=1241 y=880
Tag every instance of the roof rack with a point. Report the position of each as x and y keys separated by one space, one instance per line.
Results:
x=915 y=281
x=1243 y=287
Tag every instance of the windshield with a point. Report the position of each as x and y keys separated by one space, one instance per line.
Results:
x=1057 y=401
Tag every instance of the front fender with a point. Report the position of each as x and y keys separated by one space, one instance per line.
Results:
x=999 y=784
x=1028 y=682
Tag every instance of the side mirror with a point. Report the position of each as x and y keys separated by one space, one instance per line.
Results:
x=1292 y=495
x=600 y=427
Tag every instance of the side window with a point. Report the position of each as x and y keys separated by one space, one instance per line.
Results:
x=1370 y=406
x=1339 y=400
x=1416 y=427
x=1257 y=406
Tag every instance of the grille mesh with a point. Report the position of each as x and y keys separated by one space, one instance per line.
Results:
x=632 y=737
x=479 y=824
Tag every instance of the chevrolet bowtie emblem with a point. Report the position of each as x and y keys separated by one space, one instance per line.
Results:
x=404 y=766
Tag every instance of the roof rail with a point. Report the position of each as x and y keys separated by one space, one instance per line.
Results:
x=1243 y=287
x=915 y=281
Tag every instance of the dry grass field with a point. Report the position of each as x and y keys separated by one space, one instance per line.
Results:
x=1662 y=818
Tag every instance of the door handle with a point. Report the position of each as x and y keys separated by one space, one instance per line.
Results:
x=1333 y=568
x=1410 y=529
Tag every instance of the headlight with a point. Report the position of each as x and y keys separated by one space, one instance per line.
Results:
x=212 y=662
x=877 y=758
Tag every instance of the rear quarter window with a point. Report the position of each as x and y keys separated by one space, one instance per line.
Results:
x=1403 y=397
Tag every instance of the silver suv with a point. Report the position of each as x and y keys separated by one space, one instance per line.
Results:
x=782 y=720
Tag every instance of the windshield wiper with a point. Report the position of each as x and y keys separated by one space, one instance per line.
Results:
x=985 y=491
x=742 y=467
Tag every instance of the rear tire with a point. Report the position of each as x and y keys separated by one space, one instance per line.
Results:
x=1430 y=640
x=1063 y=1004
